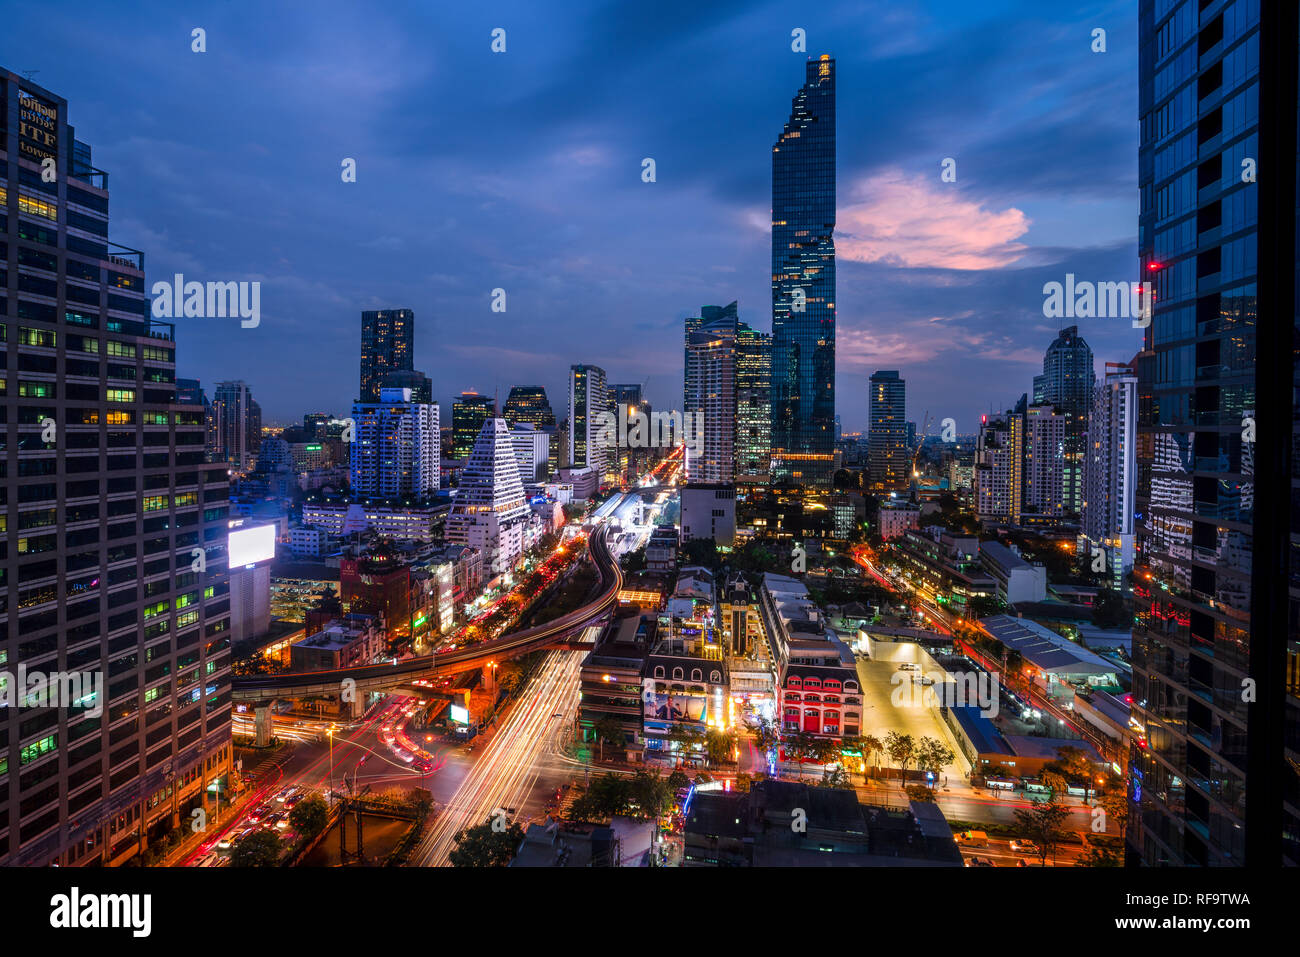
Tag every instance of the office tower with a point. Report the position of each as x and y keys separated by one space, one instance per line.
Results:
x=998 y=476
x=588 y=406
x=1214 y=768
x=803 y=284
x=1044 y=472
x=238 y=421
x=114 y=570
x=387 y=345
x=707 y=315
x=532 y=448
x=190 y=392
x=468 y=413
x=753 y=406
x=419 y=384
x=626 y=458
x=489 y=512
x=313 y=423
x=889 y=459
x=528 y=404
x=711 y=371
x=1110 y=472
x=395 y=449
x=1067 y=383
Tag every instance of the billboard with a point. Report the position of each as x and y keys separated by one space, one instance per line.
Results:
x=248 y=546
x=459 y=715
x=675 y=707
x=38 y=127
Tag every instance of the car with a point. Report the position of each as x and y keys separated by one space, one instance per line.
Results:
x=907 y=666
x=972 y=838
x=293 y=800
x=1024 y=847
x=225 y=842
x=979 y=862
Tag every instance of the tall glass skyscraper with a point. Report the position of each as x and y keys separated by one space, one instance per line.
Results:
x=803 y=284
x=1067 y=385
x=1215 y=661
x=889 y=454
x=387 y=345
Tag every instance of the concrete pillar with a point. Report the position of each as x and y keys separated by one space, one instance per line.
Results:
x=357 y=706
x=262 y=724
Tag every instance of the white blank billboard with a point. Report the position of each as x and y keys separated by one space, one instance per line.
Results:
x=247 y=546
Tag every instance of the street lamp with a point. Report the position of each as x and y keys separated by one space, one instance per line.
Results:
x=330 y=735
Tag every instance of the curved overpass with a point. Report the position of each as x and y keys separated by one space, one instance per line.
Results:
x=387 y=676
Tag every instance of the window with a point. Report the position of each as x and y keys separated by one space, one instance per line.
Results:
x=38 y=749
x=44 y=338
x=37 y=207
x=119 y=395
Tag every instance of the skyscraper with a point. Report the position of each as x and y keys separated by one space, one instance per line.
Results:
x=468 y=413
x=190 y=392
x=396 y=448
x=889 y=460
x=387 y=345
x=1110 y=472
x=238 y=421
x=1066 y=384
x=1044 y=472
x=998 y=477
x=1214 y=764
x=419 y=384
x=489 y=511
x=693 y=323
x=711 y=371
x=753 y=405
x=116 y=571
x=529 y=404
x=803 y=283
x=588 y=404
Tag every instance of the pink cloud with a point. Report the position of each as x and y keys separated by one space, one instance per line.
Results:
x=915 y=223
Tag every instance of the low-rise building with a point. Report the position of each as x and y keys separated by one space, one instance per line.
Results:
x=709 y=511
x=343 y=643
x=610 y=683
x=896 y=517
x=1016 y=579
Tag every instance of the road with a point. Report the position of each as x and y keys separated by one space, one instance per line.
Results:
x=504 y=781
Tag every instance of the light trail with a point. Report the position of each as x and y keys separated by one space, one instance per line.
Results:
x=505 y=774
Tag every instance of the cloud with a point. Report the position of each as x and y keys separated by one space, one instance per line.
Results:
x=915 y=224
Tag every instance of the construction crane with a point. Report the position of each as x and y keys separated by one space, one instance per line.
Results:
x=920 y=441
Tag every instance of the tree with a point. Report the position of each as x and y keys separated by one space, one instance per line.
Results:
x=932 y=754
x=901 y=749
x=260 y=849
x=835 y=778
x=611 y=794
x=608 y=729
x=1077 y=766
x=1042 y=824
x=700 y=551
x=1108 y=609
x=871 y=745
x=766 y=736
x=719 y=746
x=486 y=846
x=651 y=794
x=678 y=780
x=310 y=816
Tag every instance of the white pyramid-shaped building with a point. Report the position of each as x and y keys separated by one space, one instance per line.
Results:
x=489 y=512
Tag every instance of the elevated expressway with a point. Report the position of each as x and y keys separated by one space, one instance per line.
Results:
x=388 y=677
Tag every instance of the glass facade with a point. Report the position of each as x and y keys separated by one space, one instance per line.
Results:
x=803 y=284
x=387 y=345
x=1067 y=385
x=1199 y=96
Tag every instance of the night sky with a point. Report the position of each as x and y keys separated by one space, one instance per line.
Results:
x=522 y=170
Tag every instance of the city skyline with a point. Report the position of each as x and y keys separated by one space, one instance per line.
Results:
x=1011 y=222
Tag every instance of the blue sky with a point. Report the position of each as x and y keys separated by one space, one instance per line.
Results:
x=522 y=171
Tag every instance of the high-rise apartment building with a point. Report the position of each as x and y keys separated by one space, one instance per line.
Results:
x=489 y=512
x=889 y=459
x=711 y=371
x=753 y=406
x=1215 y=652
x=1067 y=383
x=999 y=469
x=1044 y=469
x=113 y=563
x=707 y=315
x=237 y=419
x=803 y=284
x=387 y=345
x=588 y=405
x=528 y=404
x=532 y=448
x=420 y=385
x=395 y=451
x=468 y=413
x=1110 y=474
